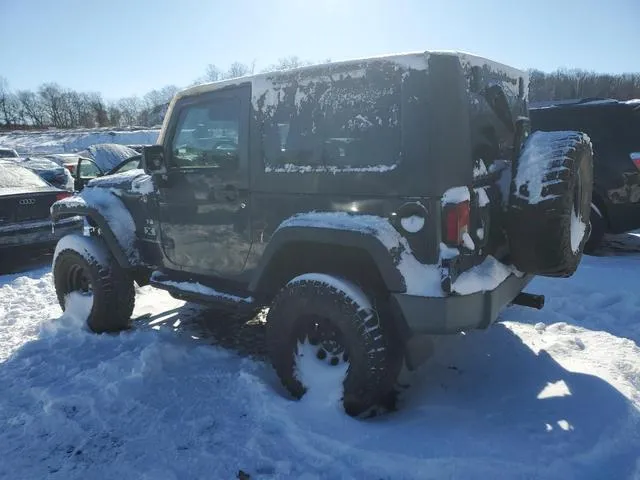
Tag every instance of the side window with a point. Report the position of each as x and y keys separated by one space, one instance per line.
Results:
x=206 y=135
x=343 y=123
x=89 y=169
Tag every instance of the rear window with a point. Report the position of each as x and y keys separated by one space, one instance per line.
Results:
x=12 y=176
x=344 y=122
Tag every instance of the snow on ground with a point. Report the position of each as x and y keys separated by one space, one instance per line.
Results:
x=543 y=394
x=68 y=141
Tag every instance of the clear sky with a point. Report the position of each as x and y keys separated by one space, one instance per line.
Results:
x=126 y=47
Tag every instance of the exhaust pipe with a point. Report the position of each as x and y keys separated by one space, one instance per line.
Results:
x=529 y=300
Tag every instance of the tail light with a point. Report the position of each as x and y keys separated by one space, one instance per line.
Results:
x=635 y=158
x=456 y=222
x=71 y=168
x=62 y=195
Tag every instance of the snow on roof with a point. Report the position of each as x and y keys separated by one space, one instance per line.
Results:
x=415 y=60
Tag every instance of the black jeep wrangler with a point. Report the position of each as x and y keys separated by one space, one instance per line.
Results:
x=369 y=204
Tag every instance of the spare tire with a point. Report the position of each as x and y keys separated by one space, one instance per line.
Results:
x=549 y=203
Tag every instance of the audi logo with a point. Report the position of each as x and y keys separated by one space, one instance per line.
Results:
x=27 y=201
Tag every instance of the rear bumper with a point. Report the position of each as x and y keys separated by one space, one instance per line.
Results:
x=38 y=232
x=456 y=313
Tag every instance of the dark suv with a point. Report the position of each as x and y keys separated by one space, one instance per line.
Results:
x=614 y=129
x=369 y=204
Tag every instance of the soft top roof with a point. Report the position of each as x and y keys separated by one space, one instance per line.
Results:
x=414 y=60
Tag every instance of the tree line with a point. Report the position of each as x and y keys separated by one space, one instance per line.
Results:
x=52 y=105
x=564 y=84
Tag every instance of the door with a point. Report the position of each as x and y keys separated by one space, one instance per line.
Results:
x=204 y=213
x=86 y=170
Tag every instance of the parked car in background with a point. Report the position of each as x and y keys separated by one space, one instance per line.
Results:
x=88 y=170
x=108 y=156
x=25 y=200
x=614 y=129
x=67 y=160
x=8 y=153
x=48 y=170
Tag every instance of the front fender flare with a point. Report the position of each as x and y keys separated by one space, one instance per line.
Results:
x=60 y=210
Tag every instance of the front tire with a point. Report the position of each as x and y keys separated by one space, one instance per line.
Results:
x=85 y=265
x=339 y=317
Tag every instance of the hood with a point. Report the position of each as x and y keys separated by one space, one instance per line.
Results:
x=120 y=181
x=42 y=166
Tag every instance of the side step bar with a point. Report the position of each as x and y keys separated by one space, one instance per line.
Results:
x=199 y=293
x=529 y=300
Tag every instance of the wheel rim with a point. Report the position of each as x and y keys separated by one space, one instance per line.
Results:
x=577 y=195
x=78 y=280
x=327 y=339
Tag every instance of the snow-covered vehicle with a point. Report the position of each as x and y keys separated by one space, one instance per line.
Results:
x=369 y=204
x=25 y=200
x=67 y=160
x=48 y=170
x=8 y=153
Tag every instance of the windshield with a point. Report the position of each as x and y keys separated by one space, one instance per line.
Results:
x=130 y=164
x=12 y=176
x=8 y=153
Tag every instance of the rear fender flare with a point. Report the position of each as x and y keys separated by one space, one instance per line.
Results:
x=328 y=235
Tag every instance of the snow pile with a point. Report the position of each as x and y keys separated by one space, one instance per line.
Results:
x=143 y=184
x=578 y=230
x=69 y=141
x=545 y=394
x=486 y=276
x=456 y=195
x=325 y=381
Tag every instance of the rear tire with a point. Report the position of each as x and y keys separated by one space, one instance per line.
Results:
x=84 y=264
x=550 y=198
x=374 y=363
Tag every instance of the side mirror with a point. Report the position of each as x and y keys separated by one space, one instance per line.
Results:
x=153 y=161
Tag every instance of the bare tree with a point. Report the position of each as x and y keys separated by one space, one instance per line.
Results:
x=32 y=108
x=287 y=63
x=53 y=103
x=130 y=107
x=9 y=104
x=238 y=69
x=115 y=115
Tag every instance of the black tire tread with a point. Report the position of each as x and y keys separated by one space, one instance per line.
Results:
x=113 y=289
x=540 y=234
x=373 y=365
